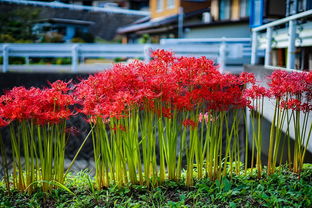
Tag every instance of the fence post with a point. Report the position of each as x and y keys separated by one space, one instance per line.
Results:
x=75 y=51
x=147 y=51
x=254 y=48
x=27 y=60
x=5 y=60
x=268 y=48
x=222 y=55
x=291 y=45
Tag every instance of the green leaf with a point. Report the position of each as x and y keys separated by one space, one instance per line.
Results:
x=218 y=183
x=227 y=185
x=55 y=183
x=233 y=205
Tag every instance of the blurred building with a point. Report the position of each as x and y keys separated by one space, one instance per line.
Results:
x=192 y=19
x=68 y=18
x=203 y=19
x=66 y=29
x=128 y=4
x=275 y=38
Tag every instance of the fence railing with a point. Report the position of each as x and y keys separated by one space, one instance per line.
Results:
x=56 y=4
x=292 y=30
x=236 y=47
x=222 y=52
x=205 y=40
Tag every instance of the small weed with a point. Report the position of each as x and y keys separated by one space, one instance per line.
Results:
x=281 y=189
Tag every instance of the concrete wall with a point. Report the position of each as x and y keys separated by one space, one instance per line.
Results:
x=106 y=24
x=218 y=31
x=261 y=73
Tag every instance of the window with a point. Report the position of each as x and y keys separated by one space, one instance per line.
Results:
x=225 y=9
x=160 y=5
x=292 y=7
x=301 y=5
x=244 y=8
x=170 y=4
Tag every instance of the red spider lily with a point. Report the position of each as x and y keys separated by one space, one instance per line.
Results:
x=163 y=55
x=306 y=107
x=309 y=78
x=282 y=83
x=184 y=83
x=296 y=105
x=3 y=122
x=42 y=106
x=293 y=104
x=256 y=92
x=60 y=85
x=20 y=103
x=246 y=78
x=294 y=88
x=189 y=122
x=166 y=112
x=277 y=83
x=112 y=92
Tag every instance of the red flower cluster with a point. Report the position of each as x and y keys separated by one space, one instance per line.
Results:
x=296 y=105
x=256 y=92
x=39 y=105
x=180 y=83
x=165 y=84
x=293 y=89
x=3 y=122
x=283 y=83
x=189 y=122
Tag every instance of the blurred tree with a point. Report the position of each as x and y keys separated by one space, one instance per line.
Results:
x=77 y=40
x=16 y=25
x=83 y=37
x=7 y=38
x=146 y=38
x=53 y=37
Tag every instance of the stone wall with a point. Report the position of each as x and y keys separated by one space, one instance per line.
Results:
x=105 y=25
x=261 y=73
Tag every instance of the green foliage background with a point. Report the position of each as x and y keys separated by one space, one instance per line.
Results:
x=16 y=25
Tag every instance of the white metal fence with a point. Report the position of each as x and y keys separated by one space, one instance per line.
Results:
x=298 y=35
x=222 y=52
x=236 y=47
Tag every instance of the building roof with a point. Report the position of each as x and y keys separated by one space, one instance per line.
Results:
x=157 y=22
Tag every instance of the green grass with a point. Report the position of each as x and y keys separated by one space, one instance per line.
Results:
x=281 y=189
